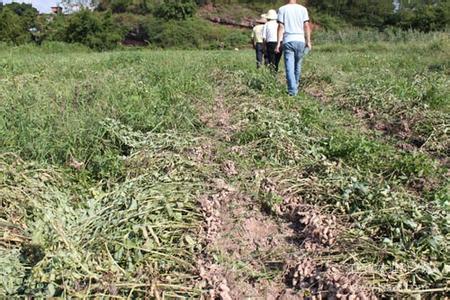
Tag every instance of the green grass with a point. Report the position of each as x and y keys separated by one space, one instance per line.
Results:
x=127 y=222
x=407 y=95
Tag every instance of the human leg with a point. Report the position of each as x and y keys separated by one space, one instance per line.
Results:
x=299 y=52
x=259 y=54
x=289 y=63
x=271 y=54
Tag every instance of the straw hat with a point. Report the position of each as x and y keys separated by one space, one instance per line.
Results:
x=271 y=14
x=262 y=20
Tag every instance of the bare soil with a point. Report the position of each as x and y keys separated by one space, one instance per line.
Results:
x=251 y=254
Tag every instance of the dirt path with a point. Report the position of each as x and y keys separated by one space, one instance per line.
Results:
x=243 y=244
x=250 y=254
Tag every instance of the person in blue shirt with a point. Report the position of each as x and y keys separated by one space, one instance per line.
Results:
x=294 y=31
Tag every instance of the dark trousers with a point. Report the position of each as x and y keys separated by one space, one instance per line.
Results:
x=273 y=58
x=259 y=48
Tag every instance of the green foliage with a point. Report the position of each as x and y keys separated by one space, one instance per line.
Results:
x=418 y=15
x=140 y=7
x=429 y=17
x=16 y=20
x=176 y=9
x=135 y=27
x=361 y=13
x=97 y=31
x=26 y=11
x=120 y=6
x=194 y=33
x=13 y=29
x=327 y=21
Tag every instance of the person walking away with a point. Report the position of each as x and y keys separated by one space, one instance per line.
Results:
x=270 y=40
x=258 y=42
x=295 y=32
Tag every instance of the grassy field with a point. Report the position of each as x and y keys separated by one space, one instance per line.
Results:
x=172 y=174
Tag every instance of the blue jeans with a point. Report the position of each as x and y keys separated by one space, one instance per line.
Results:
x=293 y=57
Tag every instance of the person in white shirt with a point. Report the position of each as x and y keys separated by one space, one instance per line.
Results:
x=295 y=32
x=270 y=39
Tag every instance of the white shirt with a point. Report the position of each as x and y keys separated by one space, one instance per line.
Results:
x=270 y=31
x=293 y=16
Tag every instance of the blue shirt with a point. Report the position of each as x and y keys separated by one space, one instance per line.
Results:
x=293 y=16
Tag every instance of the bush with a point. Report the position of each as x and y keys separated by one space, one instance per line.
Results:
x=120 y=6
x=194 y=33
x=426 y=18
x=134 y=27
x=327 y=21
x=236 y=39
x=13 y=28
x=176 y=9
x=97 y=31
x=27 y=12
x=140 y=7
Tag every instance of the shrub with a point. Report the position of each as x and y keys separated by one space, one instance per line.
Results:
x=13 y=28
x=426 y=18
x=97 y=31
x=27 y=12
x=327 y=21
x=236 y=39
x=120 y=6
x=176 y=9
x=134 y=27
x=193 y=33
x=141 y=7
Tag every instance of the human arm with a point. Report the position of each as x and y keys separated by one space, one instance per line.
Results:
x=280 y=33
x=264 y=37
x=307 y=27
x=253 y=39
x=280 y=29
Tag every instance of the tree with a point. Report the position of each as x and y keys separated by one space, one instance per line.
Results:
x=358 y=12
x=26 y=12
x=423 y=15
x=95 y=30
x=13 y=28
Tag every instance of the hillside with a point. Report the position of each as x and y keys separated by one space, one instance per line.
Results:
x=207 y=24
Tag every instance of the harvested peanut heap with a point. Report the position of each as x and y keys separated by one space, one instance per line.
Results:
x=211 y=274
x=330 y=282
x=211 y=205
x=213 y=281
x=229 y=168
x=267 y=185
x=319 y=227
x=210 y=210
